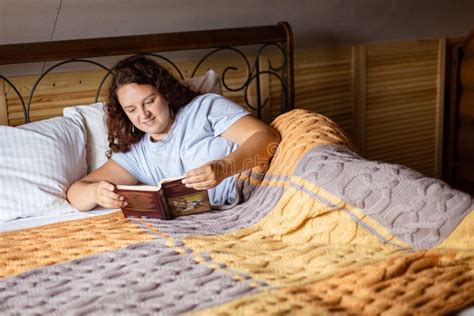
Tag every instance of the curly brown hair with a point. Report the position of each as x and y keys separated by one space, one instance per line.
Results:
x=140 y=70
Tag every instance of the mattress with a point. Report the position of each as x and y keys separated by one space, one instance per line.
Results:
x=320 y=231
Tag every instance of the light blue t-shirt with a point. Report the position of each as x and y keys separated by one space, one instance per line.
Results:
x=193 y=140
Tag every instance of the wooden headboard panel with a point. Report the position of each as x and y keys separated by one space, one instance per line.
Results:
x=256 y=66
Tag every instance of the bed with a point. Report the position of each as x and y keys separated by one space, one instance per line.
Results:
x=320 y=230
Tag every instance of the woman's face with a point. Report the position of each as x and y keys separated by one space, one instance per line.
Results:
x=146 y=108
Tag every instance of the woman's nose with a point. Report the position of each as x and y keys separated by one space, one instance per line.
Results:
x=143 y=113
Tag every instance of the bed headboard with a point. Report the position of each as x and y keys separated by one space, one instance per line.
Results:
x=263 y=80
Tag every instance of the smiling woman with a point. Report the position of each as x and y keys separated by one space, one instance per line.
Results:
x=159 y=128
x=321 y=231
x=146 y=108
x=135 y=82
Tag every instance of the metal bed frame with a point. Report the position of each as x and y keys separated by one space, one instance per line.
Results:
x=277 y=36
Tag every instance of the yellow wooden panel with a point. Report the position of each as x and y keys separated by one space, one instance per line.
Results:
x=54 y=92
x=3 y=105
x=58 y=83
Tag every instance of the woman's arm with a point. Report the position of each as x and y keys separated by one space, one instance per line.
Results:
x=97 y=188
x=257 y=141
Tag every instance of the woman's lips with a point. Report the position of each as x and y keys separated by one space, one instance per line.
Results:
x=148 y=122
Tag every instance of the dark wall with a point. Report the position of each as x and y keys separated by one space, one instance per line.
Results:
x=315 y=22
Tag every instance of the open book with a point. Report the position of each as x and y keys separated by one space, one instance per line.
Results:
x=169 y=199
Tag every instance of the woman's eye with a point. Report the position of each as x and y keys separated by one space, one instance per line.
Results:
x=149 y=102
x=131 y=111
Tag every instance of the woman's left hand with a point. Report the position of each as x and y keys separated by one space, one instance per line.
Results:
x=208 y=175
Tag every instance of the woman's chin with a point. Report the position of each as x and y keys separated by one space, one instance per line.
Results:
x=156 y=130
x=152 y=129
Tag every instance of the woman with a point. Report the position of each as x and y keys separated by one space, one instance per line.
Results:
x=159 y=128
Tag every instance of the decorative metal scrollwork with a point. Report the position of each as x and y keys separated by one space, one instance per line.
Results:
x=26 y=107
x=25 y=113
x=239 y=52
x=253 y=76
x=168 y=61
x=35 y=85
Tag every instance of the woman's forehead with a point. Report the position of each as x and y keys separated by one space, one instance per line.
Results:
x=133 y=91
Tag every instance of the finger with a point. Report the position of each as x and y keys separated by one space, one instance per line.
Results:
x=191 y=173
x=107 y=186
x=204 y=185
x=195 y=179
x=195 y=172
x=113 y=195
x=107 y=203
x=111 y=198
x=112 y=203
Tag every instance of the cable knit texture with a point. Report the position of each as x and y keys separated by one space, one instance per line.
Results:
x=320 y=231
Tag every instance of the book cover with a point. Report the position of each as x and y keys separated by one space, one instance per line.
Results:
x=170 y=199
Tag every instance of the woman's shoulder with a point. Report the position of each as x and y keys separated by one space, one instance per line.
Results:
x=201 y=103
x=206 y=97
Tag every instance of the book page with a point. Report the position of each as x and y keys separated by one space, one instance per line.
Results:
x=149 y=188
x=183 y=200
x=145 y=187
x=170 y=179
x=189 y=203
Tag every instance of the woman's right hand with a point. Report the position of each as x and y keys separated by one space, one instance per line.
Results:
x=97 y=188
x=105 y=195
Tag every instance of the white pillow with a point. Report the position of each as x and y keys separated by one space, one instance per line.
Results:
x=38 y=163
x=93 y=117
x=210 y=82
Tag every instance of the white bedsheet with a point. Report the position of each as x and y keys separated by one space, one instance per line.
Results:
x=29 y=222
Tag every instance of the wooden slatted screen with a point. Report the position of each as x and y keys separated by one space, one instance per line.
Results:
x=323 y=83
x=403 y=109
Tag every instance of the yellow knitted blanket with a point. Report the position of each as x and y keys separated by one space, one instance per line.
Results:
x=321 y=231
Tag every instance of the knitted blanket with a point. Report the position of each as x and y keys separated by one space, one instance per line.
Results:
x=321 y=231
